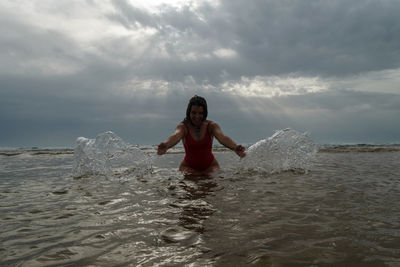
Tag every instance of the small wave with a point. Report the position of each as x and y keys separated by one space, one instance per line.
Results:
x=51 y=152
x=359 y=148
x=36 y=151
x=9 y=153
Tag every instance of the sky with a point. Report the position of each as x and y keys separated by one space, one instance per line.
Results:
x=79 y=68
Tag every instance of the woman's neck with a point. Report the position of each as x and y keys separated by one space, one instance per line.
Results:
x=197 y=128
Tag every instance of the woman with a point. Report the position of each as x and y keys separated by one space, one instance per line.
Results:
x=197 y=135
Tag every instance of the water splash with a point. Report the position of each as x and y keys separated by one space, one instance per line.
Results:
x=109 y=155
x=285 y=150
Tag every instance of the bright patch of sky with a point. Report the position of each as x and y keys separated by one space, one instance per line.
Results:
x=275 y=86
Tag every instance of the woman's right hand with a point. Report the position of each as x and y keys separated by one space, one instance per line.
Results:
x=161 y=149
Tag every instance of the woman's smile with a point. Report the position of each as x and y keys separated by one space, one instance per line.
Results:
x=197 y=115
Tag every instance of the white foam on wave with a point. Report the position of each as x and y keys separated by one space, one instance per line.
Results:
x=285 y=150
x=108 y=154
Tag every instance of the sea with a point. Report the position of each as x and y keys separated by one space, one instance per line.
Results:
x=341 y=209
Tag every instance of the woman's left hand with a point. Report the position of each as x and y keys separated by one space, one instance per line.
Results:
x=240 y=151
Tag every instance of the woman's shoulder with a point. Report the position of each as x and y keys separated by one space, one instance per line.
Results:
x=211 y=123
x=181 y=125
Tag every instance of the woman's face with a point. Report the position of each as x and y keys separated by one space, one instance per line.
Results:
x=197 y=115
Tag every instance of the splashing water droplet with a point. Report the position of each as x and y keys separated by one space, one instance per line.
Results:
x=285 y=150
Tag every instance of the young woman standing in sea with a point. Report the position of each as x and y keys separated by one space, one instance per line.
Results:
x=196 y=133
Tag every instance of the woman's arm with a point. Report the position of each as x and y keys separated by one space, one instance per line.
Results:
x=172 y=140
x=227 y=141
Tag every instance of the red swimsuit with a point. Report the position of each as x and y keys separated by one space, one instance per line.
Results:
x=198 y=153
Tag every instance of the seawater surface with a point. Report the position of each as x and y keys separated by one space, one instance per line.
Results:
x=343 y=211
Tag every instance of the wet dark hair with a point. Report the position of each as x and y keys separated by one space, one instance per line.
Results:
x=196 y=101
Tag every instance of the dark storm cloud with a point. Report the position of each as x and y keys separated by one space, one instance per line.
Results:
x=21 y=45
x=329 y=38
x=317 y=37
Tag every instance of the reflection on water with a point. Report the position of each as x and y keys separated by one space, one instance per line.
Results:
x=195 y=210
x=341 y=213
